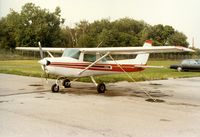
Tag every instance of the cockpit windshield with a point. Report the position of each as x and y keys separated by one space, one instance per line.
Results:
x=72 y=53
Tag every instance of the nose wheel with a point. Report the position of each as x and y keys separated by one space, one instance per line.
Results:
x=55 y=88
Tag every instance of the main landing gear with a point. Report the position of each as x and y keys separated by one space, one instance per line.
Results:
x=101 y=87
x=66 y=83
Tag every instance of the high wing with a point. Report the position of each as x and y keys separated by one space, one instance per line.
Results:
x=136 y=50
x=147 y=48
x=55 y=50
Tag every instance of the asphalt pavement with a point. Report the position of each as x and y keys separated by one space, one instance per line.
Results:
x=29 y=109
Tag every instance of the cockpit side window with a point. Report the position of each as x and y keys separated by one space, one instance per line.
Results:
x=89 y=57
x=72 y=53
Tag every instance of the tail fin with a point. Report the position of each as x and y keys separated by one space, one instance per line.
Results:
x=143 y=57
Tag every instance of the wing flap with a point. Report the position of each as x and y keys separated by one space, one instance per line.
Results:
x=142 y=66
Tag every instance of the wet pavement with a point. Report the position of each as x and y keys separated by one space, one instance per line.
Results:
x=29 y=108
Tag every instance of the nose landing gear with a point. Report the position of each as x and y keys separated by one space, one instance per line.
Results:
x=55 y=88
x=66 y=83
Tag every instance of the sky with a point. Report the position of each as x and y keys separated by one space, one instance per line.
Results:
x=183 y=15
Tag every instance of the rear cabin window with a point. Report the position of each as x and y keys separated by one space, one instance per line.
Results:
x=72 y=53
x=92 y=58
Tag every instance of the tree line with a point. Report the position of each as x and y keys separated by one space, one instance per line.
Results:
x=33 y=24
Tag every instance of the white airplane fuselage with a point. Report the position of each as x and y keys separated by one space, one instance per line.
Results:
x=74 y=63
x=70 y=67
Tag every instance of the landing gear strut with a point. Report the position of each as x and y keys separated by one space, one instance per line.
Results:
x=101 y=87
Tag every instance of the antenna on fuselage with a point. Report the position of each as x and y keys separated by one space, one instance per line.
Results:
x=99 y=44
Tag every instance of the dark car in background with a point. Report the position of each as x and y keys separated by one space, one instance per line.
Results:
x=187 y=65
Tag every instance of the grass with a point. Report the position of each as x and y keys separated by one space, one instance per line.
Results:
x=21 y=67
x=32 y=68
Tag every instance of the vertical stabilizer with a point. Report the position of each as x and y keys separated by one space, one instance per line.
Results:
x=143 y=57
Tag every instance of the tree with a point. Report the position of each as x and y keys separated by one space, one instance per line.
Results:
x=86 y=41
x=128 y=25
x=40 y=25
x=31 y=25
x=178 y=39
x=8 y=30
x=34 y=24
x=164 y=35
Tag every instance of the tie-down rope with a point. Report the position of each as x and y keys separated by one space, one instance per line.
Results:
x=132 y=78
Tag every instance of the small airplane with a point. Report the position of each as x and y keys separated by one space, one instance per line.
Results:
x=82 y=62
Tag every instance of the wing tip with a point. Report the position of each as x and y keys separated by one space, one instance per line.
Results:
x=185 y=49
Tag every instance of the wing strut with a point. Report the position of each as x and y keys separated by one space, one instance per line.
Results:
x=94 y=63
x=50 y=54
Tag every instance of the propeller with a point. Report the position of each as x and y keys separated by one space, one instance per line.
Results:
x=44 y=62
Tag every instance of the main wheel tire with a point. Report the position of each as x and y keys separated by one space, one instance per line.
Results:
x=66 y=83
x=55 y=88
x=179 y=69
x=101 y=88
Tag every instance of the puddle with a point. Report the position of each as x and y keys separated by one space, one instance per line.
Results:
x=155 y=84
x=35 y=85
x=155 y=100
x=183 y=104
x=39 y=96
x=41 y=93
x=3 y=101
x=165 y=120
x=39 y=88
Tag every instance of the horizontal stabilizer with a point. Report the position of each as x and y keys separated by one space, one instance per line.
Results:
x=142 y=66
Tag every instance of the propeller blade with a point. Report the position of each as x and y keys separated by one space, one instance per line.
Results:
x=44 y=62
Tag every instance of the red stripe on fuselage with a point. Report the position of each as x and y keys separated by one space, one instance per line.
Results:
x=99 y=67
